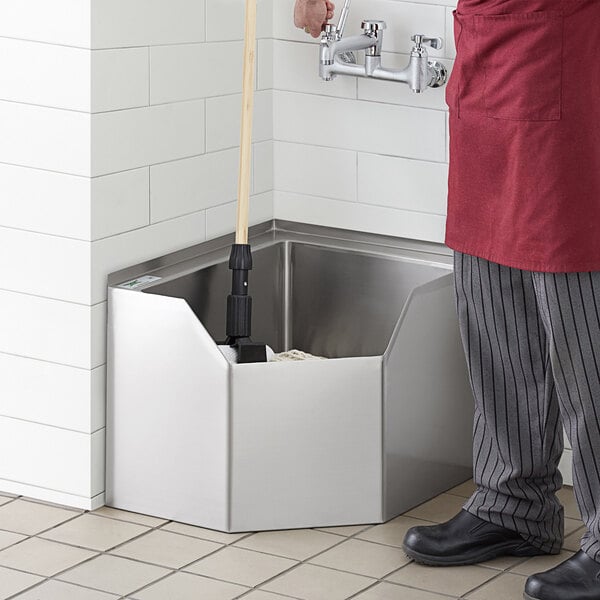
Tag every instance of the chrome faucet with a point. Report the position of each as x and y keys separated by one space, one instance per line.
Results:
x=337 y=56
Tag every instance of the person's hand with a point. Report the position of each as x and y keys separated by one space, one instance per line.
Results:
x=311 y=15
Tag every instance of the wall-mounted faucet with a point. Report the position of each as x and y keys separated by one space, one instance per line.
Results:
x=337 y=56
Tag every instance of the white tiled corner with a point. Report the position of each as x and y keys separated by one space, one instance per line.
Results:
x=317 y=171
x=130 y=139
x=220 y=220
x=193 y=184
x=359 y=217
x=65 y=22
x=120 y=251
x=51 y=394
x=45 y=74
x=51 y=330
x=34 y=136
x=263 y=167
x=223 y=116
x=37 y=200
x=53 y=458
x=264 y=65
x=120 y=202
x=120 y=79
x=56 y=267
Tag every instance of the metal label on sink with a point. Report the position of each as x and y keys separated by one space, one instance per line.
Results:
x=139 y=282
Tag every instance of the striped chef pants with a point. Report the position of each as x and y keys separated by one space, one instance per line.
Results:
x=532 y=343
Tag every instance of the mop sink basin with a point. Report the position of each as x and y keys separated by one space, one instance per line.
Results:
x=381 y=425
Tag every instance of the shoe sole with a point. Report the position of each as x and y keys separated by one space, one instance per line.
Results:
x=508 y=549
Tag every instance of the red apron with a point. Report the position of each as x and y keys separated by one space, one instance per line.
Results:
x=524 y=99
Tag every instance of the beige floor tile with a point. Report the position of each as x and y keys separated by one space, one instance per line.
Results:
x=12 y=582
x=567 y=498
x=391 y=591
x=204 y=534
x=363 y=558
x=167 y=549
x=131 y=517
x=8 y=538
x=464 y=490
x=30 y=518
x=43 y=557
x=454 y=581
x=537 y=564
x=393 y=532
x=58 y=590
x=5 y=500
x=260 y=595
x=238 y=565
x=310 y=582
x=506 y=586
x=97 y=533
x=503 y=562
x=185 y=586
x=345 y=530
x=113 y=574
x=298 y=544
x=440 y=509
x=572 y=525
x=573 y=542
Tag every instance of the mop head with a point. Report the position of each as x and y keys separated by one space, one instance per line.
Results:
x=291 y=355
x=294 y=355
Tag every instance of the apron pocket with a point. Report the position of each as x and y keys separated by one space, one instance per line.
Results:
x=521 y=58
x=451 y=92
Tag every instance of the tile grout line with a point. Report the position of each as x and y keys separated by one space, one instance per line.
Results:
x=161 y=527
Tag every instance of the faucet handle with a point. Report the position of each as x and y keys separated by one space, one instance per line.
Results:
x=372 y=27
x=330 y=32
x=421 y=40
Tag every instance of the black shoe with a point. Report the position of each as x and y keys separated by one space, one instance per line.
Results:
x=577 y=578
x=464 y=540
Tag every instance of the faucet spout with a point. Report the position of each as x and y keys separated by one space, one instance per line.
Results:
x=337 y=56
x=331 y=49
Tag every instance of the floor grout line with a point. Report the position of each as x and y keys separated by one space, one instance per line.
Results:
x=222 y=545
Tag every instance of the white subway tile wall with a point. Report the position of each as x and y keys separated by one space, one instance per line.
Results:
x=119 y=143
x=120 y=134
x=360 y=153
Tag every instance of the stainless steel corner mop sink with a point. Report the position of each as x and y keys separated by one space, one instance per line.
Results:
x=382 y=425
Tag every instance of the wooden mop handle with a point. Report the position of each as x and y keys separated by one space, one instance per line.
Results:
x=241 y=236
